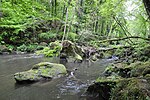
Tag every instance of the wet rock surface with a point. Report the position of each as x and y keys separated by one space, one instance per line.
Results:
x=101 y=89
x=43 y=70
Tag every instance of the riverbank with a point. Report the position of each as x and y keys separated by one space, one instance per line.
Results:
x=127 y=78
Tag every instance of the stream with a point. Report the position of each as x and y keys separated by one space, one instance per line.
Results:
x=71 y=87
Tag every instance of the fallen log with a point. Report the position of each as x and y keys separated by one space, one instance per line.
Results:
x=124 y=38
x=112 y=48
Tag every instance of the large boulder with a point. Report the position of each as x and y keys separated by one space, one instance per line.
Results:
x=72 y=50
x=63 y=49
x=43 y=70
x=101 y=88
x=117 y=88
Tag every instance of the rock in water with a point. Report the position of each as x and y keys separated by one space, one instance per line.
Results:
x=43 y=70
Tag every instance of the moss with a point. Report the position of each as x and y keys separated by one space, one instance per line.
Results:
x=66 y=49
x=146 y=71
x=120 y=52
x=108 y=54
x=142 y=52
x=30 y=75
x=133 y=70
x=51 y=51
x=137 y=52
x=70 y=49
x=147 y=75
x=78 y=57
x=39 y=65
x=129 y=89
x=110 y=79
x=40 y=71
x=55 y=45
x=102 y=87
x=140 y=69
x=131 y=81
x=118 y=69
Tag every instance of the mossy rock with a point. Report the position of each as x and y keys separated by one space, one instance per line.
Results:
x=136 y=69
x=72 y=50
x=142 y=53
x=108 y=54
x=147 y=75
x=117 y=88
x=102 y=88
x=140 y=69
x=43 y=70
x=65 y=49
x=131 y=89
x=51 y=51
x=118 y=69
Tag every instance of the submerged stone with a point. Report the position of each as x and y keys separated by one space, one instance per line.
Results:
x=43 y=70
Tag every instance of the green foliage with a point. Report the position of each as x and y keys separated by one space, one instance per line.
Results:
x=46 y=51
x=1 y=39
x=52 y=51
x=128 y=89
x=27 y=48
x=30 y=21
x=47 y=35
x=21 y=12
x=11 y=47
x=21 y=19
x=22 y=48
x=142 y=51
x=137 y=19
x=72 y=36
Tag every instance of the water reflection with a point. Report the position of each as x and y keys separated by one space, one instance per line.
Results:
x=22 y=85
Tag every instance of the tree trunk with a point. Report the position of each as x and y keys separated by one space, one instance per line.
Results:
x=147 y=6
x=55 y=8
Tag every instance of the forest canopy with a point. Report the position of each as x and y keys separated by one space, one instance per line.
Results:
x=26 y=21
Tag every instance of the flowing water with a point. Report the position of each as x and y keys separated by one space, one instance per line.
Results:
x=69 y=87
